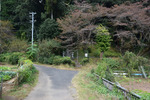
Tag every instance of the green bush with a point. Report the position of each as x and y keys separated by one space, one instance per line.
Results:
x=11 y=58
x=17 y=45
x=113 y=64
x=26 y=71
x=84 y=61
x=63 y=60
x=104 y=71
x=111 y=53
x=32 y=52
x=131 y=62
x=96 y=53
x=4 y=57
x=14 y=57
x=47 y=49
x=101 y=69
x=49 y=29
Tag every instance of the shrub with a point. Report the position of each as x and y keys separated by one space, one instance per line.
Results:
x=131 y=61
x=32 y=52
x=18 y=45
x=11 y=58
x=96 y=53
x=111 y=53
x=4 y=57
x=104 y=71
x=14 y=57
x=63 y=60
x=84 y=61
x=101 y=69
x=49 y=29
x=112 y=63
x=25 y=75
x=26 y=72
x=47 y=49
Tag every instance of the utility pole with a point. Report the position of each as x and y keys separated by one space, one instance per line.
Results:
x=32 y=21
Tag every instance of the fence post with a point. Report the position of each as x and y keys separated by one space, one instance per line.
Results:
x=1 y=88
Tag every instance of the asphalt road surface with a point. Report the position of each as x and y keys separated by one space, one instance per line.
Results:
x=53 y=84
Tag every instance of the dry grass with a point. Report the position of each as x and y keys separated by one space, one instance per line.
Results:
x=81 y=82
x=68 y=67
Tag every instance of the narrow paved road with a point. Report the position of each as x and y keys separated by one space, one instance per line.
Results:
x=53 y=84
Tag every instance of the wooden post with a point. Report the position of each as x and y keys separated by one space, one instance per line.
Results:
x=144 y=74
x=1 y=88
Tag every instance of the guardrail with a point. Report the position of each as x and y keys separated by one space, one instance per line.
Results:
x=128 y=95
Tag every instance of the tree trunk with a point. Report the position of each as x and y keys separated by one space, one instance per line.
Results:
x=77 y=57
x=52 y=15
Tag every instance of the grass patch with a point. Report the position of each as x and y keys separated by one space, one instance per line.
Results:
x=90 y=89
x=145 y=95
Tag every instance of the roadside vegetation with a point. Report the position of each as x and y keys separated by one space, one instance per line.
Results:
x=18 y=80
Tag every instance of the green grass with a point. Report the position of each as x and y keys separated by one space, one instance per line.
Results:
x=145 y=95
x=88 y=88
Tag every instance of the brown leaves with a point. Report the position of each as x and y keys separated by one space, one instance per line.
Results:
x=129 y=22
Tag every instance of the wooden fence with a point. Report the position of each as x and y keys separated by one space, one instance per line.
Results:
x=128 y=95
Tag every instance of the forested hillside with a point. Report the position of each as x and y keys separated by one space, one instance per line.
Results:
x=72 y=23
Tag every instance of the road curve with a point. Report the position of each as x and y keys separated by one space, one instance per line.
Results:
x=53 y=84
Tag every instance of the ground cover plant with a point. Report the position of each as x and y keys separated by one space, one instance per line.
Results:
x=6 y=73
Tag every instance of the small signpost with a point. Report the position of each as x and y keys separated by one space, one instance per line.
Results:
x=86 y=55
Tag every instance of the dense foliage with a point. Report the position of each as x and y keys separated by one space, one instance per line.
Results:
x=48 y=29
x=6 y=35
x=26 y=71
x=11 y=58
x=47 y=51
x=128 y=24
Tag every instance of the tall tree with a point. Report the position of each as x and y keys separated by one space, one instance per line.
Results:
x=50 y=7
x=22 y=19
x=48 y=29
x=6 y=35
x=57 y=8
